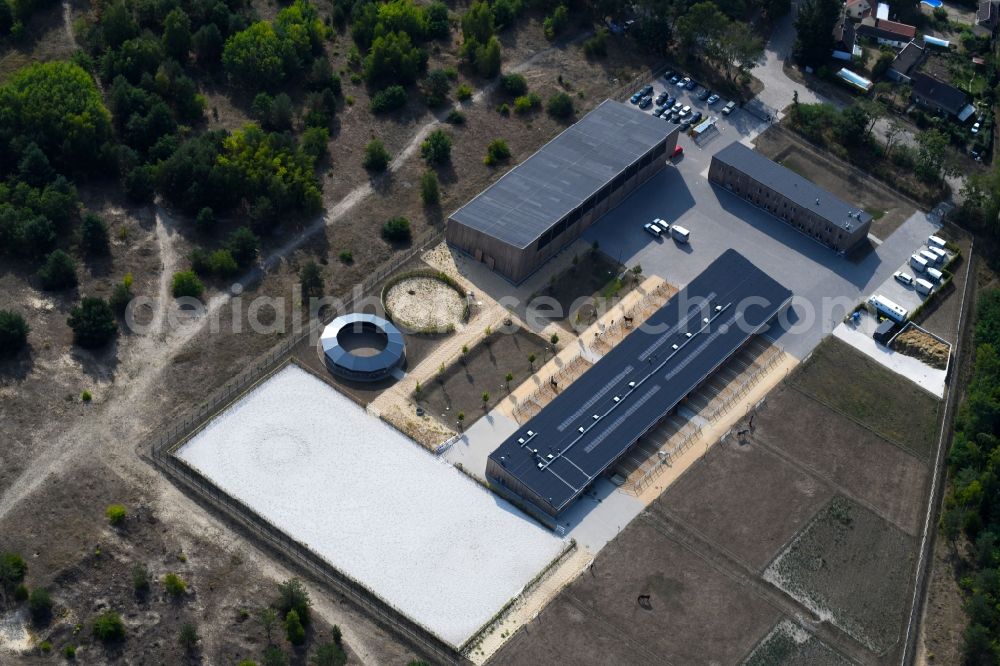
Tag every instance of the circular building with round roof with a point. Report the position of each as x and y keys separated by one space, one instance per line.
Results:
x=362 y=347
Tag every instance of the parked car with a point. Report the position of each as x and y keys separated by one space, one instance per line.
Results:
x=676 y=108
x=645 y=102
x=686 y=125
x=653 y=228
x=975 y=127
x=712 y=99
x=685 y=111
x=704 y=94
x=659 y=111
x=678 y=151
x=691 y=84
x=728 y=108
x=670 y=101
x=667 y=74
x=661 y=98
x=695 y=117
x=903 y=278
x=647 y=90
x=635 y=98
x=674 y=78
x=675 y=118
x=683 y=83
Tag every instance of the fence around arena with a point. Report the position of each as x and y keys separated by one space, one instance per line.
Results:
x=161 y=454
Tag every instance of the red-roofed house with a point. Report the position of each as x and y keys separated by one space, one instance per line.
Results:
x=887 y=32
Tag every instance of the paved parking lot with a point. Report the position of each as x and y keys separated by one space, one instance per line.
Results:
x=826 y=285
x=905 y=294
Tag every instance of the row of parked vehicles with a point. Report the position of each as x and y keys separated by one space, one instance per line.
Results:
x=659 y=227
x=670 y=108
x=925 y=262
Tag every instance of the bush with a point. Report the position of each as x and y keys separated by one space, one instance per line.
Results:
x=294 y=630
x=244 y=246
x=488 y=58
x=116 y=514
x=13 y=569
x=435 y=88
x=205 y=220
x=186 y=284
x=69 y=652
x=430 y=191
x=293 y=596
x=58 y=272
x=21 y=593
x=188 y=637
x=526 y=103
x=393 y=57
x=597 y=46
x=40 y=606
x=314 y=141
x=556 y=23
x=174 y=585
x=94 y=235
x=463 y=93
x=455 y=117
x=376 y=158
x=560 y=105
x=93 y=323
x=436 y=148
x=397 y=230
x=389 y=99
x=497 y=151
x=13 y=333
x=514 y=85
x=140 y=579
x=109 y=628
x=438 y=26
x=346 y=256
x=330 y=654
x=311 y=280
x=139 y=184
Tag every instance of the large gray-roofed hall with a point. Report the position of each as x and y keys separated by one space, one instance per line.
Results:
x=545 y=202
x=554 y=457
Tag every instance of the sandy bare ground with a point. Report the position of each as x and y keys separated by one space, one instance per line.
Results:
x=422 y=303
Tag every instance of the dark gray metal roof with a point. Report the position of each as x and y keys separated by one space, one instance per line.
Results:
x=386 y=359
x=946 y=96
x=803 y=192
x=639 y=381
x=530 y=198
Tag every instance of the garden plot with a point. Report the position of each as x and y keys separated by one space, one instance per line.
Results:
x=851 y=568
x=413 y=529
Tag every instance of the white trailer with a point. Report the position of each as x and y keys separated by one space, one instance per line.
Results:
x=679 y=233
x=932 y=259
x=934 y=274
x=923 y=286
x=941 y=254
x=888 y=308
x=918 y=263
x=935 y=241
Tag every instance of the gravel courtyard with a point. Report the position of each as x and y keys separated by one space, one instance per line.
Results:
x=413 y=529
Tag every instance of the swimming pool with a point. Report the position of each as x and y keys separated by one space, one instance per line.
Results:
x=932 y=3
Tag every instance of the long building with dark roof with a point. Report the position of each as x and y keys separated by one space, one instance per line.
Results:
x=788 y=196
x=545 y=203
x=553 y=458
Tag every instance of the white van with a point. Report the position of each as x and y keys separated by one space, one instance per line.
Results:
x=919 y=263
x=680 y=234
x=923 y=286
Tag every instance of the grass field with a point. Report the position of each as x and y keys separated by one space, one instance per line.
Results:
x=851 y=567
x=789 y=644
x=857 y=386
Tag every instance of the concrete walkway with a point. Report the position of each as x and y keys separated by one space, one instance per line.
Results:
x=928 y=378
